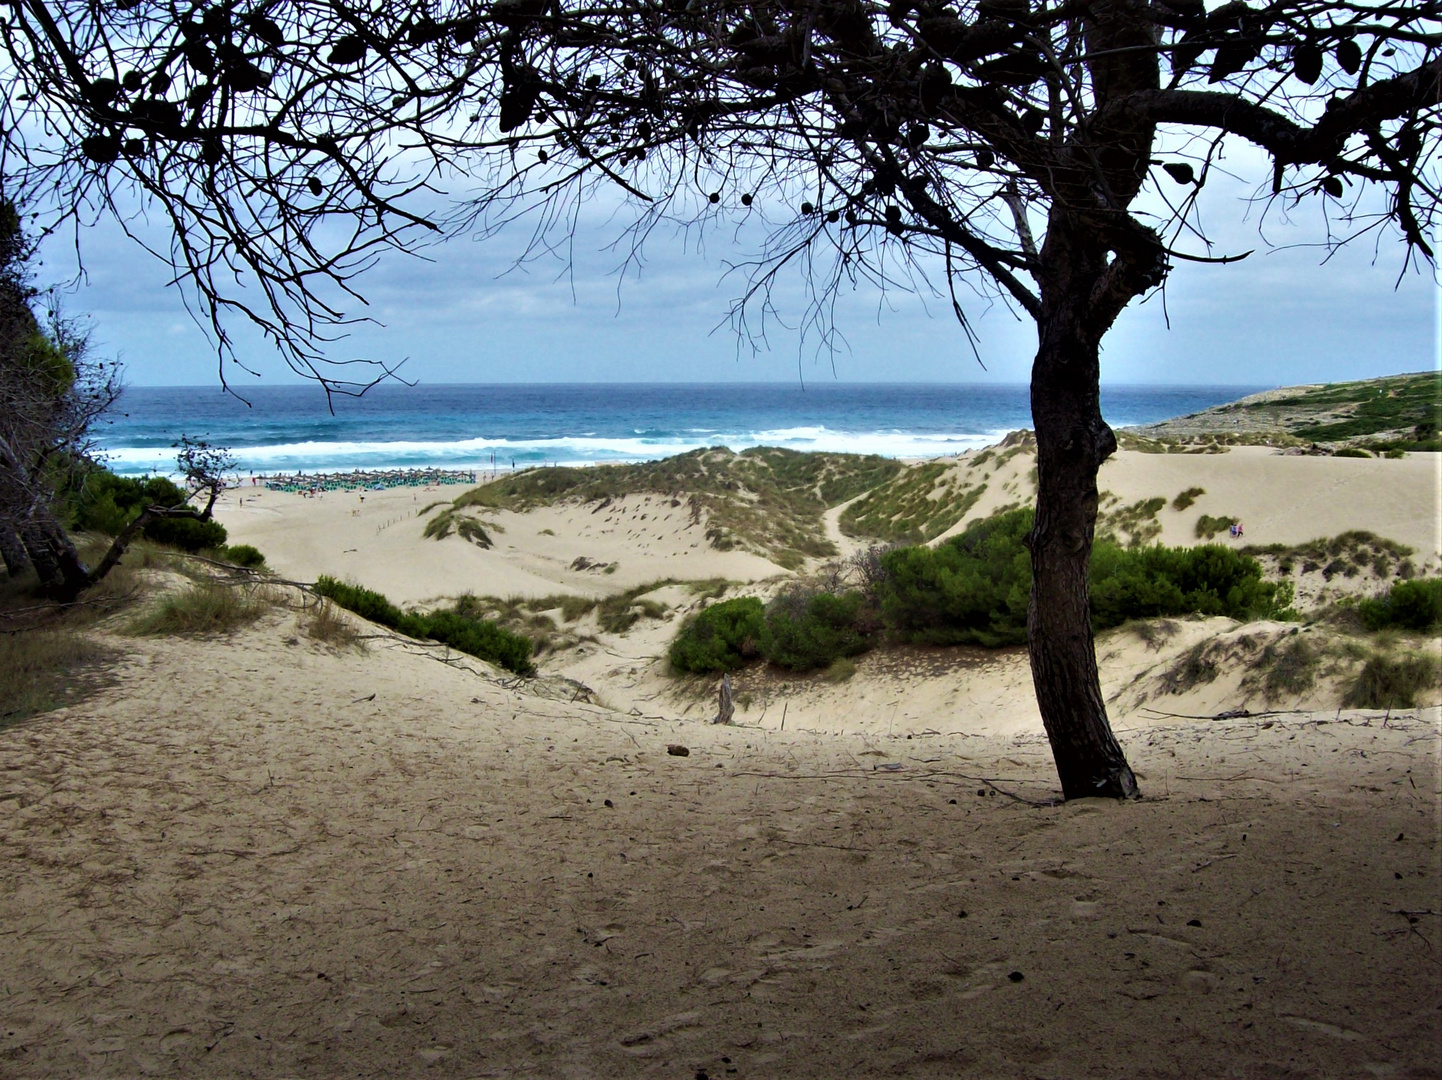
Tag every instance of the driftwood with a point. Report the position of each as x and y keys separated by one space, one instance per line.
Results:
x=728 y=708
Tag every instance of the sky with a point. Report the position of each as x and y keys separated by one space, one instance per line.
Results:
x=1285 y=315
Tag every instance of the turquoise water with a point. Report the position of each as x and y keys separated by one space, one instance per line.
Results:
x=286 y=429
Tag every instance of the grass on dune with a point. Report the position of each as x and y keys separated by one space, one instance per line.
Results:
x=765 y=500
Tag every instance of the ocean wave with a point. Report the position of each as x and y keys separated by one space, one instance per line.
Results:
x=321 y=456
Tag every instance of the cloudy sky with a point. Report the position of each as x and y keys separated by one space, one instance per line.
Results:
x=468 y=314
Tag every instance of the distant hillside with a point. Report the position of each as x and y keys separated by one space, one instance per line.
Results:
x=1397 y=412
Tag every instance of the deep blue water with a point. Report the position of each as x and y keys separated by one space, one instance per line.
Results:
x=289 y=428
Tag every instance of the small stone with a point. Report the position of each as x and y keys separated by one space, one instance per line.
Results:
x=677 y=750
x=610 y=803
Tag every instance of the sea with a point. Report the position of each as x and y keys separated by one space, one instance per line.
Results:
x=290 y=429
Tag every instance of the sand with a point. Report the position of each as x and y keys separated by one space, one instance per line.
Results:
x=258 y=857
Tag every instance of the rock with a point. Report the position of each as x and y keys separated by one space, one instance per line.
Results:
x=677 y=750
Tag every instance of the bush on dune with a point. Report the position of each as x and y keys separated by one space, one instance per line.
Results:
x=367 y=603
x=1145 y=583
x=464 y=632
x=971 y=590
x=974 y=590
x=203 y=608
x=809 y=630
x=723 y=637
x=104 y=502
x=478 y=637
x=1409 y=605
x=246 y=555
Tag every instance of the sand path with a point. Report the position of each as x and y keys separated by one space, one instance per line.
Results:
x=255 y=857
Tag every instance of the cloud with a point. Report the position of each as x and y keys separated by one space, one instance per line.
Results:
x=482 y=311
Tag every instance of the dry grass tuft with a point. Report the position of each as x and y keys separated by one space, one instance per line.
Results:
x=1386 y=682
x=205 y=608
x=44 y=668
x=329 y=625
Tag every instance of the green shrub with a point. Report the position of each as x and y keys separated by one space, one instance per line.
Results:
x=974 y=588
x=106 y=503
x=809 y=630
x=478 y=637
x=1145 y=583
x=1351 y=451
x=244 y=555
x=187 y=533
x=1408 y=605
x=366 y=603
x=723 y=637
x=457 y=628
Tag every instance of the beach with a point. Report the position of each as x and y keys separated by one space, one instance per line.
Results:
x=269 y=854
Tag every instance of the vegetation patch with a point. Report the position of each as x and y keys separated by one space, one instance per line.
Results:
x=456 y=627
x=466 y=526
x=1347 y=554
x=917 y=505
x=1130 y=526
x=1414 y=605
x=764 y=500
x=973 y=589
x=205 y=607
x=1387 y=682
x=1208 y=526
x=1288 y=669
x=325 y=623
x=100 y=501
x=1409 y=405
x=1186 y=498
x=813 y=628
x=1399 y=412
x=44 y=668
x=723 y=637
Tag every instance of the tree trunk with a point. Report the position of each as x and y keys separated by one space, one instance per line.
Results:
x=62 y=575
x=37 y=550
x=1072 y=442
x=12 y=550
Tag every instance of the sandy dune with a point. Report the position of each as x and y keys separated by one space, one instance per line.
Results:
x=379 y=543
x=256 y=857
x=1278 y=498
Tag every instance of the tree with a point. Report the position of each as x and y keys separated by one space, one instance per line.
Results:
x=1048 y=151
x=51 y=394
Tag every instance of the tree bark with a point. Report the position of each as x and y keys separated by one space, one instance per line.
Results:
x=1072 y=442
x=62 y=575
x=37 y=550
x=12 y=551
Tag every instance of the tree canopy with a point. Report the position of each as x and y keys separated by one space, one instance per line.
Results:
x=290 y=142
